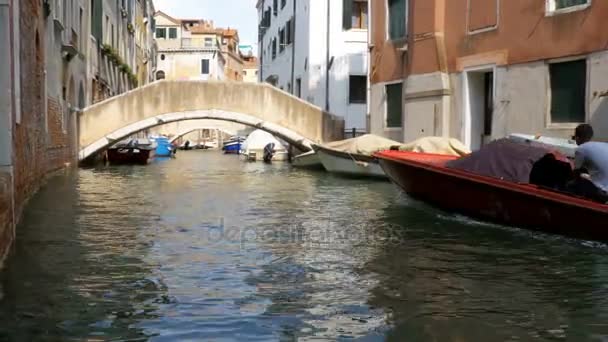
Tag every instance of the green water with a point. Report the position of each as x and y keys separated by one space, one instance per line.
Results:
x=209 y=248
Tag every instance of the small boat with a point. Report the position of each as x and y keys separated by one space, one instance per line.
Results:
x=164 y=147
x=309 y=159
x=232 y=147
x=495 y=186
x=135 y=151
x=355 y=156
x=253 y=147
x=186 y=146
x=564 y=146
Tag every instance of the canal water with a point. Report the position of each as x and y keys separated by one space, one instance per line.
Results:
x=209 y=248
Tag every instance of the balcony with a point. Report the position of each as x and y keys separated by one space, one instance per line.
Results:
x=70 y=44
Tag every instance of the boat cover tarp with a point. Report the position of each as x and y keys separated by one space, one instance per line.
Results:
x=367 y=144
x=564 y=146
x=505 y=159
x=258 y=139
x=436 y=145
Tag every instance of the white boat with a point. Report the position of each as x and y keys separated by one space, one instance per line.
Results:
x=355 y=156
x=564 y=146
x=253 y=146
x=307 y=160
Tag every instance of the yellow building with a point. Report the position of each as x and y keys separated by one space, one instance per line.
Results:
x=188 y=49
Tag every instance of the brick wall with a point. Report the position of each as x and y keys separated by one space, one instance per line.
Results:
x=41 y=144
x=7 y=229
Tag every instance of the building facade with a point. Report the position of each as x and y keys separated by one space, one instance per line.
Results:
x=188 y=49
x=479 y=70
x=230 y=49
x=53 y=51
x=317 y=50
x=145 y=44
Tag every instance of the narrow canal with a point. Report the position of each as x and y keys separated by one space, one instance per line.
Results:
x=209 y=248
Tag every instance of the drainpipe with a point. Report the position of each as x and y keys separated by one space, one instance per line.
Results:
x=443 y=67
x=293 y=49
x=370 y=46
x=327 y=57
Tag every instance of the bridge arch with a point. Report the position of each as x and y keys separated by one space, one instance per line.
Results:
x=257 y=105
x=193 y=128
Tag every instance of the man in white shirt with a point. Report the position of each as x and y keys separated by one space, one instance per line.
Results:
x=591 y=165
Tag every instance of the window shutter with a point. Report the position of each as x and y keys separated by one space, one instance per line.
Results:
x=347 y=14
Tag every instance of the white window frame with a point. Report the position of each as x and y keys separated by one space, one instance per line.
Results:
x=566 y=125
x=485 y=29
x=551 y=10
x=385 y=93
x=388 y=22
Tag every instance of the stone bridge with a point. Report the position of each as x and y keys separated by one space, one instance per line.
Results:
x=258 y=105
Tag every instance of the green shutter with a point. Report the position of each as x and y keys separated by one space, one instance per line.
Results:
x=347 y=14
x=397 y=14
x=569 y=3
x=568 y=91
x=97 y=21
x=394 y=105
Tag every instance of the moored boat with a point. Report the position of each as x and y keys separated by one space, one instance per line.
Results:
x=309 y=159
x=136 y=151
x=164 y=147
x=355 y=156
x=253 y=147
x=440 y=180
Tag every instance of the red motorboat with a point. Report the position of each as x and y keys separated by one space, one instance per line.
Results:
x=431 y=178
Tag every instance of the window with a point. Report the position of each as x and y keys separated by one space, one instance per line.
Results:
x=354 y=14
x=160 y=75
x=162 y=57
x=554 y=5
x=282 y=42
x=397 y=14
x=298 y=89
x=161 y=32
x=172 y=32
x=275 y=7
x=205 y=67
x=289 y=32
x=357 y=89
x=394 y=108
x=208 y=42
x=568 y=89
x=274 y=48
x=283 y=3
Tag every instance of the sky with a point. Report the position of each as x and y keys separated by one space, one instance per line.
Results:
x=239 y=14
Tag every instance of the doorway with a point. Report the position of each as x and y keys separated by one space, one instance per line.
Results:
x=479 y=93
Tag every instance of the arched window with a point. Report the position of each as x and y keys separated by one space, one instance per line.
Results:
x=160 y=75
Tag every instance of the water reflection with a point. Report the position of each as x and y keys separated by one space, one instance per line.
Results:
x=455 y=279
x=207 y=247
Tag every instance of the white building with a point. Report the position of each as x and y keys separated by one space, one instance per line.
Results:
x=317 y=50
x=188 y=49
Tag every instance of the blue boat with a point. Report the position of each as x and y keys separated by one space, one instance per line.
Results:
x=233 y=146
x=164 y=147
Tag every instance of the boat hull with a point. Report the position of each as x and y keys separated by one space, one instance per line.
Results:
x=232 y=148
x=349 y=164
x=518 y=205
x=130 y=155
x=307 y=160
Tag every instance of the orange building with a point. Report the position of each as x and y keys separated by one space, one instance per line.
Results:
x=479 y=70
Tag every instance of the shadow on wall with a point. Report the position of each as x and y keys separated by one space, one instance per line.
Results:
x=599 y=119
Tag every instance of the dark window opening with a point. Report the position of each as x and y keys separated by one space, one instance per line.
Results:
x=394 y=105
x=205 y=67
x=172 y=33
x=357 y=86
x=568 y=91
